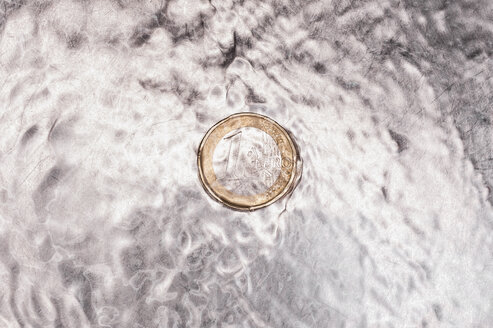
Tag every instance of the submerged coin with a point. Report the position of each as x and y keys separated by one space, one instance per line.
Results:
x=248 y=161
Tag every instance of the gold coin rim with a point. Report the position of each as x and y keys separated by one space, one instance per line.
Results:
x=286 y=145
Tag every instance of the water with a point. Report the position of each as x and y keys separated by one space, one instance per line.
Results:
x=103 y=219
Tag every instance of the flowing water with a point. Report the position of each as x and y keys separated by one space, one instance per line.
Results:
x=103 y=219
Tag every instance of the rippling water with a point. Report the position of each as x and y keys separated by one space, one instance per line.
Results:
x=104 y=223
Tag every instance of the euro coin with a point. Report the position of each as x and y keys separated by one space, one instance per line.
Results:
x=248 y=161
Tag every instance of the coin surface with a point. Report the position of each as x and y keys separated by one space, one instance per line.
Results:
x=248 y=161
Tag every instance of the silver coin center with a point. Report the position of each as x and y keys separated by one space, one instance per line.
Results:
x=247 y=161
